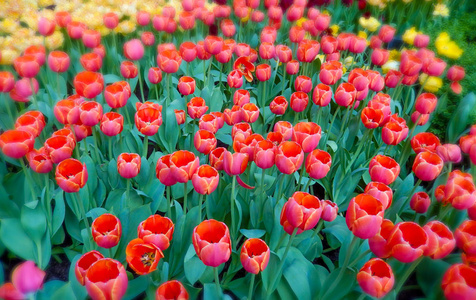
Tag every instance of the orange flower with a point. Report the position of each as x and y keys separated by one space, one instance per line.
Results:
x=376 y=278
x=156 y=230
x=58 y=61
x=129 y=69
x=407 y=241
x=84 y=262
x=205 y=180
x=196 y=107
x=143 y=257
x=216 y=158
x=26 y=66
x=39 y=161
x=264 y=154
x=106 y=230
x=318 y=164
x=441 y=240
x=71 y=175
x=384 y=169
x=211 y=240
x=106 y=279
x=88 y=84
x=90 y=113
x=254 y=255
x=128 y=165
x=148 y=118
x=169 y=61
x=171 y=290
x=186 y=85
x=427 y=165
x=289 y=157
x=458 y=282
x=66 y=111
x=91 y=61
x=307 y=135
x=16 y=143
x=59 y=148
x=163 y=171
x=235 y=163
x=204 y=141
x=245 y=67
x=183 y=165
x=301 y=211
x=364 y=216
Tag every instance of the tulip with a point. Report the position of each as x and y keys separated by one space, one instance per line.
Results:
x=71 y=175
x=84 y=263
x=457 y=282
x=318 y=164
x=381 y=192
x=59 y=148
x=371 y=118
x=267 y=50
x=307 y=50
x=106 y=230
x=449 y=153
x=257 y=16
x=169 y=61
x=299 y=101
x=376 y=278
x=394 y=132
x=427 y=166
x=204 y=141
x=301 y=211
x=88 y=84
x=154 y=75
x=16 y=143
x=164 y=172
x=233 y=116
x=235 y=79
x=426 y=103
x=62 y=18
x=329 y=210
x=29 y=123
x=364 y=216
x=143 y=18
x=254 y=255
x=393 y=78
x=129 y=70
x=303 y=84
x=76 y=29
x=196 y=107
x=296 y=34
x=213 y=44
x=209 y=123
x=322 y=22
x=249 y=112
x=460 y=190
x=345 y=94
x=39 y=161
x=26 y=66
x=241 y=97
x=357 y=44
x=384 y=169
x=188 y=51
x=322 y=95
x=307 y=135
x=285 y=128
x=91 y=62
x=408 y=241
x=205 y=180
x=263 y=72
x=90 y=113
x=289 y=157
x=91 y=38
x=111 y=20
x=410 y=64
x=133 y=49
x=117 y=94
x=225 y=54
x=386 y=33
x=441 y=240
x=171 y=290
x=143 y=257
x=186 y=20
x=247 y=145
x=328 y=44
x=379 y=56
x=211 y=240
x=465 y=236
x=148 y=118
x=264 y=154
x=378 y=243
x=186 y=85
x=284 y=53
x=156 y=230
x=245 y=67
x=106 y=279
x=183 y=165
x=292 y=67
x=58 y=61
x=330 y=72
x=420 y=202
x=128 y=165
x=279 y=105
x=26 y=280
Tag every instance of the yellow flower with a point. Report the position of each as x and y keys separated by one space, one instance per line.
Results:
x=390 y=65
x=380 y=3
x=362 y=34
x=371 y=24
x=409 y=35
x=9 y=25
x=348 y=61
x=441 y=10
x=430 y=84
x=335 y=29
x=446 y=47
x=125 y=27
x=322 y=58
x=301 y=21
x=44 y=3
x=55 y=40
x=395 y=55
x=8 y=55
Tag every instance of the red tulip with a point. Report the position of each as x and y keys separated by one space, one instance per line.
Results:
x=91 y=38
x=427 y=165
x=249 y=112
x=16 y=143
x=345 y=94
x=91 y=61
x=186 y=85
x=205 y=180
x=76 y=29
x=39 y=161
x=209 y=122
x=142 y=257
x=235 y=163
x=235 y=79
x=71 y=175
x=267 y=50
x=156 y=230
x=204 y=141
x=386 y=33
x=465 y=236
x=307 y=50
x=394 y=131
x=254 y=255
x=196 y=107
x=357 y=44
x=420 y=202
x=307 y=135
x=263 y=72
x=322 y=22
x=378 y=243
x=111 y=20
x=289 y=157
x=106 y=230
x=408 y=241
x=302 y=211
x=372 y=118
x=88 y=84
x=457 y=282
x=460 y=190
x=279 y=105
x=213 y=44
x=376 y=278
x=62 y=18
x=129 y=70
x=381 y=192
x=299 y=101
x=106 y=279
x=164 y=172
x=384 y=169
x=171 y=290
x=67 y=111
x=183 y=165
x=393 y=78
x=318 y=164
x=90 y=113
x=285 y=128
x=379 y=56
x=449 y=153
x=133 y=49
x=211 y=240
x=59 y=148
x=169 y=61
x=148 y=117
x=58 y=61
x=245 y=67
x=27 y=279
x=364 y=216
x=441 y=240
x=241 y=97
x=117 y=94
x=84 y=263
x=128 y=165
x=410 y=64
x=188 y=51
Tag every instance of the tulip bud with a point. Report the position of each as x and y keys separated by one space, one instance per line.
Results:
x=376 y=278
x=301 y=211
x=254 y=255
x=156 y=230
x=211 y=240
x=106 y=230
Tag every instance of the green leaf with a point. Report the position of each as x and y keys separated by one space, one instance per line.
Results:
x=136 y=287
x=193 y=266
x=461 y=117
x=33 y=220
x=16 y=239
x=253 y=233
x=210 y=292
x=337 y=290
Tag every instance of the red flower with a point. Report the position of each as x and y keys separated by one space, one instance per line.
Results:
x=169 y=61
x=142 y=257
x=90 y=113
x=171 y=290
x=263 y=72
x=71 y=175
x=211 y=240
x=376 y=278
x=117 y=94
x=58 y=61
x=59 y=148
x=465 y=236
x=128 y=165
x=254 y=255
x=285 y=128
x=279 y=105
x=204 y=141
x=289 y=157
x=458 y=282
x=427 y=165
x=302 y=211
x=163 y=171
x=299 y=101
x=408 y=241
x=425 y=141
x=26 y=66
x=205 y=180
x=441 y=241
x=128 y=69
x=148 y=117
x=307 y=135
x=39 y=161
x=384 y=169
x=106 y=279
x=264 y=154
x=381 y=192
x=318 y=164
x=235 y=163
x=216 y=158
x=91 y=61
x=196 y=107
x=364 y=216
x=88 y=84
x=235 y=79
x=106 y=230
x=186 y=85
x=156 y=230
x=345 y=94
x=245 y=67
x=183 y=165
x=84 y=262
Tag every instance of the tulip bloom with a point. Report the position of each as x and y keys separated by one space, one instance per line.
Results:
x=307 y=135
x=460 y=190
x=143 y=257
x=394 y=132
x=213 y=44
x=457 y=282
x=292 y=67
x=148 y=118
x=263 y=72
x=378 y=243
x=26 y=66
x=329 y=210
x=59 y=148
x=330 y=72
x=345 y=94
x=188 y=51
x=183 y=165
x=27 y=279
x=172 y=289
x=209 y=122
x=379 y=56
x=299 y=101
x=289 y=157
x=441 y=241
x=427 y=166
x=169 y=61
x=186 y=85
x=254 y=255
x=90 y=113
x=235 y=79
x=216 y=157
x=58 y=61
x=128 y=165
x=204 y=141
x=465 y=236
x=264 y=154
x=106 y=279
x=163 y=171
x=133 y=49
x=285 y=128
x=211 y=240
x=245 y=67
x=449 y=153
x=408 y=241
x=383 y=169
x=318 y=164
x=154 y=75
x=301 y=211
x=196 y=107
x=381 y=192
x=88 y=84
x=91 y=38
x=76 y=29
x=129 y=70
x=91 y=61
x=112 y=123
x=249 y=113
x=39 y=161
x=364 y=216
x=205 y=179
x=322 y=95
x=420 y=202
x=106 y=230
x=71 y=175
x=376 y=278
x=371 y=118
x=16 y=143
x=235 y=163
x=84 y=262
x=117 y=94
x=156 y=230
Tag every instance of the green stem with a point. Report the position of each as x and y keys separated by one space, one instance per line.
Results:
x=7 y=104
x=169 y=89
x=28 y=179
x=344 y=122
x=414 y=188
x=48 y=204
x=280 y=187
x=207 y=207
x=300 y=175
x=110 y=148
x=146 y=146
x=83 y=211
x=185 y=198
x=407 y=273
x=283 y=83
x=252 y=284
x=140 y=83
x=281 y=263
x=357 y=153
x=307 y=185
x=217 y=279
x=232 y=204
x=95 y=139
x=319 y=226
x=200 y=202
x=360 y=257
x=169 y=213
x=329 y=129
x=33 y=97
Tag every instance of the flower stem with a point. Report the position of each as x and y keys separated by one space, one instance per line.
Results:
x=48 y=204
x=110 y=148
x=407 y=273
x=28 y=179
x=146 y=145
x=169 y=212
x=217 y=280
x=83 y=211
x=185 y=198
x=232 y=203
x=200 y=202
x=252 y=284
x=140 y=82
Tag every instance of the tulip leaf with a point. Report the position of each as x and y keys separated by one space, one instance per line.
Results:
x=337 y=229
x=429 y=275
x=253 y=233
x=58 y=212
x=54 y=289
x=136 y=286
x=341 y=288
x=78 y=290
x=112 y=174
x=216 y=99
x=91 y=167
x=16 y=239
x=96 y=212
x=461 y=118
x=33 y=221
x=193 y=266
x=210 y=292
